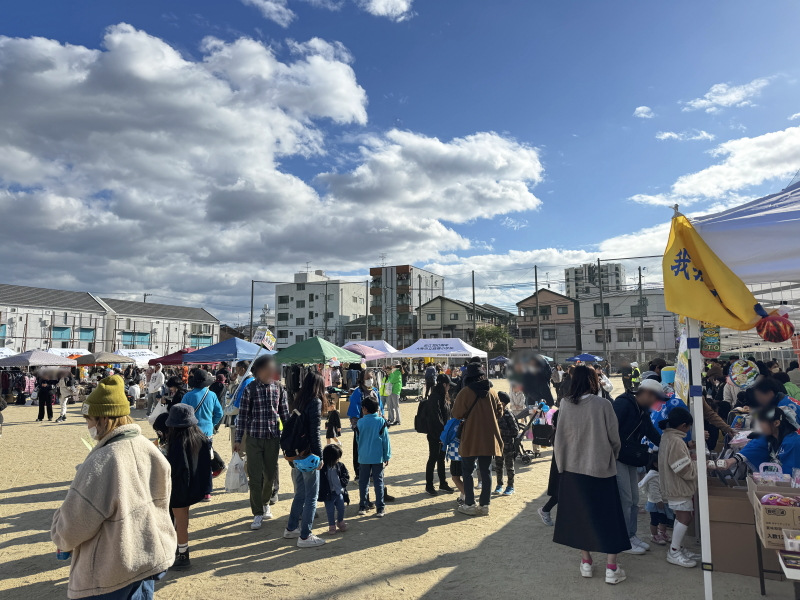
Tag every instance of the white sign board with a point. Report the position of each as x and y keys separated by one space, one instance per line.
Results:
x=264 y=337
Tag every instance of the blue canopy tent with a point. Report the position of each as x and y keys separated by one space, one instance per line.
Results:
x=585 y=358
x=231 y=350
x=498 y=359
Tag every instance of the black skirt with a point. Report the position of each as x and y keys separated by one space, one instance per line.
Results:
x=552 y=482
x=590 y=514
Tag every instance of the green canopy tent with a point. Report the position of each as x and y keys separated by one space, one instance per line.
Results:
x=315 y=350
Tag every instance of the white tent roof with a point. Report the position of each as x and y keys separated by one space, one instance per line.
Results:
x=377 y=344
x=5 y=353
x=141 y=355
x=441 y=348
x=68 y=351
x=758 y=240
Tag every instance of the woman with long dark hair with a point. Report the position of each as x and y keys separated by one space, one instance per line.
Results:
x=307 y=404
x=437 y=413
x=366 y=388
x=189 y=454
x=586 y=449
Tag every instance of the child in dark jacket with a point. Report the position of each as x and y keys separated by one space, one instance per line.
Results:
x=509 y=429
x=333 y=480
x=333 y=427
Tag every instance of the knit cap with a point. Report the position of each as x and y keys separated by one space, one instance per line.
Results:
x=107 y=400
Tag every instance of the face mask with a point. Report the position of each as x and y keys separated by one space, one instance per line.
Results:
x=775 y=369
x=93 y=432
x=368 y=383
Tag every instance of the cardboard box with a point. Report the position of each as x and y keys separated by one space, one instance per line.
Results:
x=344 y=404
x=772 y=520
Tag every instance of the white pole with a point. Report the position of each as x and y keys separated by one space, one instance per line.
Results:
x=246 y=375
x=696 y=403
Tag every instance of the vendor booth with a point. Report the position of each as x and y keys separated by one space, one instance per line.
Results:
x=315 y=350
x=103 y=358
x=37 y=358
x=176 y=358
x=142 y=356
x=378 y=345
x=67 y=352
x=366 y=352
x=441 y=348
x=230 y=350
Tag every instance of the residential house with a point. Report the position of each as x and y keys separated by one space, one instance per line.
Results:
x=558 y=319
x=450 y=318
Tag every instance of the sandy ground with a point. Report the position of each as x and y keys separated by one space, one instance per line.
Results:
x=422 y=549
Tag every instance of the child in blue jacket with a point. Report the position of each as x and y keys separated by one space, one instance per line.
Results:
x=374 y=452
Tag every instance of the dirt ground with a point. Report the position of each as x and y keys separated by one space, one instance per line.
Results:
x=423 y=549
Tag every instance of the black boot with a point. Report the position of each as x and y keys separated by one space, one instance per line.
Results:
x=445 y=487
x=386 y=496
x=430 y=490
x=182 y=562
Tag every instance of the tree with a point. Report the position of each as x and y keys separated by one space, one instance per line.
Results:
x=493 y=339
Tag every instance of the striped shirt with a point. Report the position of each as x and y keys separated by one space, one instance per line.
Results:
x=260 y=409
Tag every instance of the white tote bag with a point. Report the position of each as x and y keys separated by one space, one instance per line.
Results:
x=236 y=479
x=160 y=409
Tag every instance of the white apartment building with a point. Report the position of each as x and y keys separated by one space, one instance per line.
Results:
x=623 y=331
x=32 y=318
x=583 y=281
x=315 y=305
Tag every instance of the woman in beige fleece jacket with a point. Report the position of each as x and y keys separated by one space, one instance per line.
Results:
x=115 y=519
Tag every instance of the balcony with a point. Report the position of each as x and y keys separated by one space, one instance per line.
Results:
x=377 y=282
x=403 y=308
x=375 y=321
x=376 y=309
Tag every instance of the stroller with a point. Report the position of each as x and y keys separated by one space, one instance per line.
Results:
x=542 y=433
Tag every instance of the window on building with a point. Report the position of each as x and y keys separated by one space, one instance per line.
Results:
x=548 y=334
x=528 y=333
x=433 y=336
x=301 y=304
x=299 y=337
x=310 y=314
x=598 y=312
x=431 y=316
x=86 y=334
x=330 y=296
x=454 y=316
x=283 y=334
x=355 y=299
x=355 y=335
x=283 y=316
x=648 y=334
x=598 y=335
x=300 y=287
x=626 y=335
x=201 y=341
x=300 y=321
x=62 y=333
x=283 y=299
x=329 y=315
x=545 y=311
x=206 y=328
x=638 y=311
x=361 y=301
x=354 y=317
x=562 y=310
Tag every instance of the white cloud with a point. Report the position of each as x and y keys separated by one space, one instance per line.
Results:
x=274 y=10
x=644 y=112
x=515 y=224
x=724 y=95
x=746 y=162
x=685 y=135
x=794 y=116
x=397 y=10
x=144 y=170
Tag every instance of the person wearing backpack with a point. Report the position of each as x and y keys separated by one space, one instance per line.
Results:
x=263 y=405
x=479 y=407
x=436 y=414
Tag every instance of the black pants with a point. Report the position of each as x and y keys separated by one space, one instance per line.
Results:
x=550 y=504
x=435 y=458
x=507 y=461
x=428 y=387
x=355 y=455
x=49 y=405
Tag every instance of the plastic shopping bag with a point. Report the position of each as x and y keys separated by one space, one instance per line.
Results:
x=160 y=409
x=236 y=479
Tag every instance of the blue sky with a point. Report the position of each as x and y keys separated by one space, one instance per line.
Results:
x=563 y=78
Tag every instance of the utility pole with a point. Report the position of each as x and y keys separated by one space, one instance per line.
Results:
x=641 y=315
x=325 y=319
x=418 y=332
x=367 y=308
x=474 y=314
x=145 y=297
x=602 y=307
x=252 y=294
x=538 y=316
x=441 y=310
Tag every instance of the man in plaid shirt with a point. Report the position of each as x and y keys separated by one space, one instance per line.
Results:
x=263 y=403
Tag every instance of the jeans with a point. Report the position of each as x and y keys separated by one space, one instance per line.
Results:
x=304 y=505
x=363 y=485
x=393 y=408
x=468 y=466
x=435 y=459
x=141 y=590
x=628 y=484
x=262 y=469
x=334 y=507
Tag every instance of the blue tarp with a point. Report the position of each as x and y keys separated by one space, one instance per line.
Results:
x=498 y=359
x=230 y=350
x=585 y=358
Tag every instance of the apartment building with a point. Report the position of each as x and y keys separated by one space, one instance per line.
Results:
x=42 y=318
x=396 y=293
x=582 y=281
x=626 y=339
x=555 y=332
x=316 y=305
x=450 y=318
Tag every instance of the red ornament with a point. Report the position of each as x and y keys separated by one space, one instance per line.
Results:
x=775 y=328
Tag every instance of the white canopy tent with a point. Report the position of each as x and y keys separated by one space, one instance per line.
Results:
x=142 y=356
x=377 y=344
x=5 y=353
x=67 y=351
x=441 y=348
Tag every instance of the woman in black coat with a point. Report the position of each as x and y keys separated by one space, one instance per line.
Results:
x=437 y=413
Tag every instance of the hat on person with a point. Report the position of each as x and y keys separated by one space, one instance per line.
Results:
x=651 y=385
x=308 y=464
x=444 y=379
x=657 y=362
x=475 y=370
x=108 y=399
x=181 y=416
x=201 y=378
x=715 y=371
x=504 y=397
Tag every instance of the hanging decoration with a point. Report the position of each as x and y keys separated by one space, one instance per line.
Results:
x=774 y=327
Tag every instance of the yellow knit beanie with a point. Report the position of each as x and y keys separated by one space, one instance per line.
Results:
x=108 y=399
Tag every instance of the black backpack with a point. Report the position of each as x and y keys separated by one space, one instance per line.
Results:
x=294 y=437
x=421 y=418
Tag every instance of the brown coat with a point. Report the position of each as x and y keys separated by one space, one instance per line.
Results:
x=480 y=434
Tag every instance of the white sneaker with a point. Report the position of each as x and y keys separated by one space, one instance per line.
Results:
x=635 y=550
x=586 y=569
x=546 y=518
x=635 y=541
x=614 y=577
x=310 y=542
x=483 y=511
x=676 y=557
x=290 y=535
x=691 y=555
x=267 y=512
x=256 y=524
x=468 y=510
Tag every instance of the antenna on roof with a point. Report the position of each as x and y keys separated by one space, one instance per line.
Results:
x=383 y=259
x=794 y=180
x=308 y=266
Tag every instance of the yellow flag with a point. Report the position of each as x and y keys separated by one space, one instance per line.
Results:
x=699 y=285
